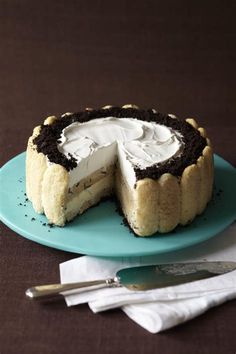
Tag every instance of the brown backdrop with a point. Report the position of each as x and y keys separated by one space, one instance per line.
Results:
x=60 y=56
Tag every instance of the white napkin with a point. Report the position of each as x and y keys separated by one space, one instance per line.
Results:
x=158 y=309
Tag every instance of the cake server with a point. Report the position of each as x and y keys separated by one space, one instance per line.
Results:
x=140 y=278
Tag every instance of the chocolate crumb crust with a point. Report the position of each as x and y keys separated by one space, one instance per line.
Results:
x=49 y=137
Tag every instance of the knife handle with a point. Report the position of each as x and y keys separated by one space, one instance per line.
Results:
x=41 y=292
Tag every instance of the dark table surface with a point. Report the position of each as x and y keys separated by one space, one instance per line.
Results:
x=60 y=56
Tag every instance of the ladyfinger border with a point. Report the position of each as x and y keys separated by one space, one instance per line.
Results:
x=40 y=176
x=164 y=203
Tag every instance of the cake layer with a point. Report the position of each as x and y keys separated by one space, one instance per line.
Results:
x=91 y=179
x=81 y=201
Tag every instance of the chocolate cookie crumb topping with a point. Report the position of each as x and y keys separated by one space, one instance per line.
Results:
x=46 y=142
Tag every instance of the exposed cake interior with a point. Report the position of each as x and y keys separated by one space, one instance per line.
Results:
x=108 y=155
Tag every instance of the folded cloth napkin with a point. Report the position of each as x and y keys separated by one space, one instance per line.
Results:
x=157 y=309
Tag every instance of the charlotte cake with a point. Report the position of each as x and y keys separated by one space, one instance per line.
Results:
x=160 y=168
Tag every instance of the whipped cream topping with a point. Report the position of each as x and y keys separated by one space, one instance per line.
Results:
x=135 y=143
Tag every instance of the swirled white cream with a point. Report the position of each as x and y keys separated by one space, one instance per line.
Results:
x=135 y=143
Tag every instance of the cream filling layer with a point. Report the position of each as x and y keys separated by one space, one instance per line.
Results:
x=100 y=142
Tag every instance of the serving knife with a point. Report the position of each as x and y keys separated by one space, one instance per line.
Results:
x=139 y=278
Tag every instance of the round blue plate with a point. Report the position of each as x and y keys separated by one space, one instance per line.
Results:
x=100 y=230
